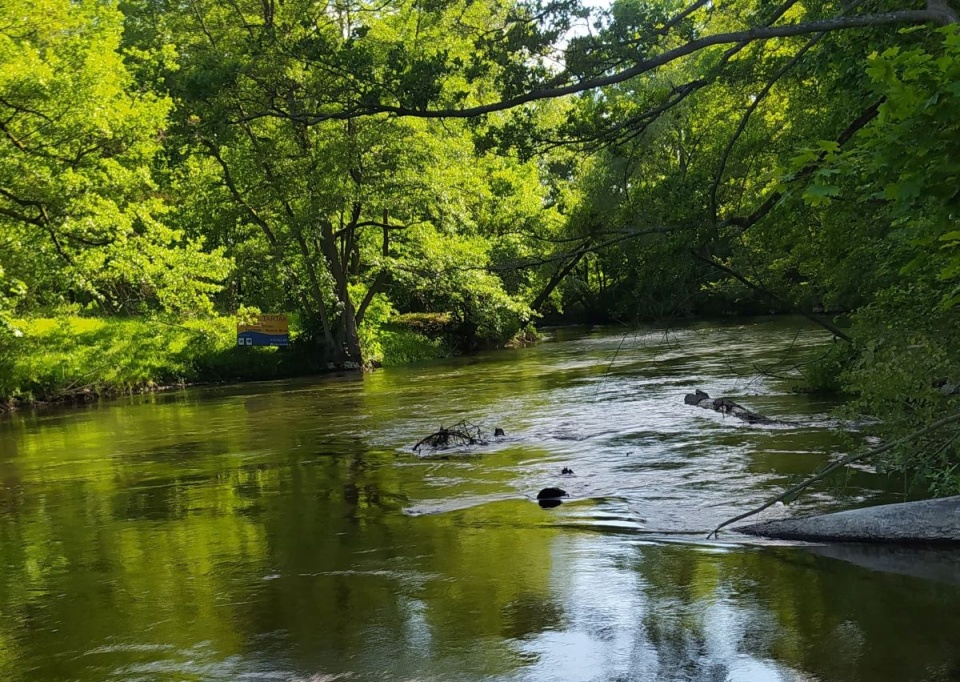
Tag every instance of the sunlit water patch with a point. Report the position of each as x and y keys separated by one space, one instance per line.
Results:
x=288 y=531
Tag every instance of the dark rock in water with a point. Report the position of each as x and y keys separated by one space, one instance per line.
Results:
x=498 y=433
x=549 y=504
x=567 y=471
x=695 y=398
x=923 y=522
x=551 y=494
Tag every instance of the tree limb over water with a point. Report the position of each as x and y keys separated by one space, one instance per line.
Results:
x=840 y=463
x=936 y=11
x=829 y=326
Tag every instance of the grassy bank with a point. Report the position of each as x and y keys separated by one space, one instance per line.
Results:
x=72 y=357
x=78 y=358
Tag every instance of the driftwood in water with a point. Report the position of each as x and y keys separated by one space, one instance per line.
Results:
x=727 y=406
x=461 y=433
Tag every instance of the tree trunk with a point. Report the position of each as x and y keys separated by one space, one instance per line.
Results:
x=558 y=277
x=316 y=291
x=381 y=279
x=348 y=340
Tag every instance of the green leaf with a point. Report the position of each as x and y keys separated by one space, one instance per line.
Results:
x=818 y=195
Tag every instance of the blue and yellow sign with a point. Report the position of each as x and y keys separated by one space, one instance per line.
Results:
x=270 y=330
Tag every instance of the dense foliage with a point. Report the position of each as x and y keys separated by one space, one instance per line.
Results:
x=482 y=164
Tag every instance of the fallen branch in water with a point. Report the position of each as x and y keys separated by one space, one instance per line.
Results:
x=461 y=433
x=726 y=406
x=842 y=462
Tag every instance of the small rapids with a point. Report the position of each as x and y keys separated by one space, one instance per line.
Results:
x=610 y=407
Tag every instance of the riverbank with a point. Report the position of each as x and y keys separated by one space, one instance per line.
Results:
x=73 y=359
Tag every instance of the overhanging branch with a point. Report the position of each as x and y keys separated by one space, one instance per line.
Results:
x=746 y=222
x=932 y=14
x=829 y=326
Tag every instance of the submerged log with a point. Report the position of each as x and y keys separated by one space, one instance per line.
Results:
x=726 y=406
x=923 y=522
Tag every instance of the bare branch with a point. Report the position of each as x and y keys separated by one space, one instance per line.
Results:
x=21 y=217
x=17 y=200
x=745 y=119
x=638 y=124
x=238 y=197
x=862 y=120
x=559 y=276
x=624 y=236
x=942 y=9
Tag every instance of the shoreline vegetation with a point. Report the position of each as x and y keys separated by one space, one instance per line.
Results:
x=75 y=360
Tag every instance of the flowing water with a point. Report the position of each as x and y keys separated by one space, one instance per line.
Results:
x=286 y=531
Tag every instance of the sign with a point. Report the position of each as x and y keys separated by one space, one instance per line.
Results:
x=269 y=330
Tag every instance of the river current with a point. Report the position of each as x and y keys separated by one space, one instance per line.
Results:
x=287 y=531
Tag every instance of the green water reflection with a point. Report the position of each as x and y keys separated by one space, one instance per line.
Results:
x=285 y=532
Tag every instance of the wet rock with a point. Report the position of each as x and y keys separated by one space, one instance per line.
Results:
x=923 y=522
x=567 y=471
x=498 y=433
x=549 y=498
x=695 y=398
x=551 y=494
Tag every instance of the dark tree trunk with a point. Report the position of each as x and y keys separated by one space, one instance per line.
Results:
x=558 y=277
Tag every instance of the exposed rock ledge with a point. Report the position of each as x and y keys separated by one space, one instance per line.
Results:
x=924 y=522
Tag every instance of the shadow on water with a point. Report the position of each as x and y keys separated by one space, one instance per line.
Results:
x=286 y=531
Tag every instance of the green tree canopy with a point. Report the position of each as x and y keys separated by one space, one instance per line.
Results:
x=82 y=218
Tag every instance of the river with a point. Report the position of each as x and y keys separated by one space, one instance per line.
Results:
x=286 y=531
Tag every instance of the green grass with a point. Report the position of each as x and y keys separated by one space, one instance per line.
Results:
x=402 y=346
x=70 y=357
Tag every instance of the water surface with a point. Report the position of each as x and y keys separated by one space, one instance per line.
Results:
x=285 y=531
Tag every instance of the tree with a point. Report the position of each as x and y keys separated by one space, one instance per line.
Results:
x=81 y=215
x=513 y=47
x=343 y=210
